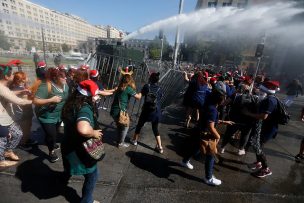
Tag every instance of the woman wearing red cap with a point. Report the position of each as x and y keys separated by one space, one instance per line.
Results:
x=49 y=100
x=78 y=115
x=266 y=127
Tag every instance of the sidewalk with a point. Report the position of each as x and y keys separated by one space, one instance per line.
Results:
x=140 y=174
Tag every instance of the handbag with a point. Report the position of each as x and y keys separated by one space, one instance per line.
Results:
x=124 y=118
x=94 y=148
x=208 y=143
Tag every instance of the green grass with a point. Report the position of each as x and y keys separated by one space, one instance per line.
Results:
x=29 y=61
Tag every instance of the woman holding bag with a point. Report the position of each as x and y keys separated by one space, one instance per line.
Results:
x=80 y=125
x=209 y=134
x=126 y=90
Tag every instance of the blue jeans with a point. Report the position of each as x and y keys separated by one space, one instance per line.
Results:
x=122 y=132
x=88 y=187
x=209 y=163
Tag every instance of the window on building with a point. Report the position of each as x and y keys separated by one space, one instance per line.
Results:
x=241 y=5
x=212 y=4
x=20 y=4
x=28 y=7
x=5 y=11
x=12 y=1
x=226 y=4
x=4 y=5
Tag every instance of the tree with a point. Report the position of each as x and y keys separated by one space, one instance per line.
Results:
x=65 y=47
x=155 y=48
x=4 y=44
x=29 y=44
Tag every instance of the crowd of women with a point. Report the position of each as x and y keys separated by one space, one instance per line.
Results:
x=70 y=96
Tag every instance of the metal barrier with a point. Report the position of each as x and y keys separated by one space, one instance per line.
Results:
x=171 y=81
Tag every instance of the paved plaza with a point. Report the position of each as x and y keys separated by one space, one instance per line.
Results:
x=140 y=174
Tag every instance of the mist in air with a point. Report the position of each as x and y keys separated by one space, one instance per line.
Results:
x=276 y=19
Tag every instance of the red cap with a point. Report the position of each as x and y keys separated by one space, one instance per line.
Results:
x=84 y=67
x=15 y=62
x=247 y=78
x=271 y=84
x=62 y=67
x=212 y=80
x=94 y=73
x=41 y=64
x=205 y=74
x=88 y=88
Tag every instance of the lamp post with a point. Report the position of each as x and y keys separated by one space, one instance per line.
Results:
x=181 y=4
x=161 y=50
x=259 y=55
x=43 y=44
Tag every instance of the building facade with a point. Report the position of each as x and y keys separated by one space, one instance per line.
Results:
x=223 y=3
x=115 y=33
x=21 y=21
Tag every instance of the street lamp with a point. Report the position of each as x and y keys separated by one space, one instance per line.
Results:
x=181 y=4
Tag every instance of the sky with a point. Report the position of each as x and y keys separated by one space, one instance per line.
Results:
x=127 y=15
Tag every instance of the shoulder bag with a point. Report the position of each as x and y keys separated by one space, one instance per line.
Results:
x=124 y=118
x=94 y=148
x=208 y=143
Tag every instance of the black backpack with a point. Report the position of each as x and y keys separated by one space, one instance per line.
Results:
x=282 y=115
x=151 y=100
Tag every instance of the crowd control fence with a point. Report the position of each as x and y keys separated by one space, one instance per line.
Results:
x=171 y=81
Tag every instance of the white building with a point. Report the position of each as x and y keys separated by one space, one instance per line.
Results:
x=21 y=20
x=113 y=32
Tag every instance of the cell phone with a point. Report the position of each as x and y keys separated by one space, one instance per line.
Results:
x=4 y=131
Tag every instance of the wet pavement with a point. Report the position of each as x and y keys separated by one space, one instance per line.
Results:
x=140 y=174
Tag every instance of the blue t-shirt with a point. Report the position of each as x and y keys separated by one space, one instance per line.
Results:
x=209 y=115
x=269 y=106
x=200 y=94
x=270 y=124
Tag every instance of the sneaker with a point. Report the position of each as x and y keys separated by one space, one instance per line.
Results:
x=123 y=145
x=299 y=157
x=7 y=163
x=25 y=147
x=255 y=166
x=263 y=173
x=222 y=151
x=213 y=181
x=56 y=147
x=133 y=142
x=95 y=201
x=159 y=150
x=187 y=165
x=53 y=157
x=241 y=152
